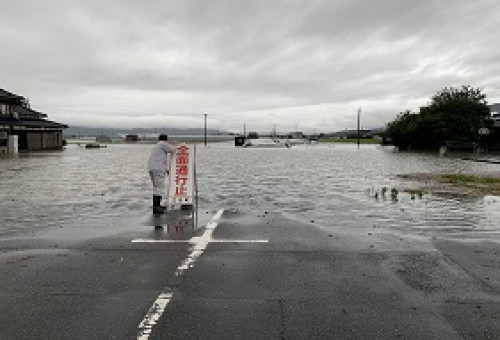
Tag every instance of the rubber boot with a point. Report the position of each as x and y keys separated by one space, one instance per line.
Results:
x=157 y=208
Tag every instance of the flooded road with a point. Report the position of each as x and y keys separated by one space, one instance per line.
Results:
x=304 y=245
x=326 y=184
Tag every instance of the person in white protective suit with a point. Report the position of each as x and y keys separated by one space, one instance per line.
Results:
x=158 y=166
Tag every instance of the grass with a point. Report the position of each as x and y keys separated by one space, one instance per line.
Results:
x=486 y=184
x=351 y=140
x=464 y=179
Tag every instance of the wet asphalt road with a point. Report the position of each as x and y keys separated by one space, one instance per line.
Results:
x=89 y=280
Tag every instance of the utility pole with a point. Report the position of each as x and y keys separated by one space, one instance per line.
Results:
x=205 y=129
x=359 y=117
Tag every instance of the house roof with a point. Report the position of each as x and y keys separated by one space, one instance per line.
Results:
x=32 y=123
x=26 y=116
x=27 y=111
x=9 y=98
x=42 y=123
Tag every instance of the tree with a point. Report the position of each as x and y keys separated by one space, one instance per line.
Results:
x=402 y=129
x=454 y=114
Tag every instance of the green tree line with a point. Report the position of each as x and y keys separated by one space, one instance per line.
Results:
x=454 y=114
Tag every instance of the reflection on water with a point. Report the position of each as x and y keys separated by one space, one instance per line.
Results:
x=47 y=189
x=326 y=184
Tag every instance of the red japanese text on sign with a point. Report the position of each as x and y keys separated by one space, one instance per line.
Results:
x=181 y=185
x=181 y=170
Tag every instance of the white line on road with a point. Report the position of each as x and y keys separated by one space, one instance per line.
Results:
x=154 y=313
x=145 y=240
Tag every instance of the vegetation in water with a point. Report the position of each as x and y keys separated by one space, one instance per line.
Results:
x=394 y=193
x=462 y=178
x=468 y=184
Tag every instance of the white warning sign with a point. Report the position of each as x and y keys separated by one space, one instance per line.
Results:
x=181 y=188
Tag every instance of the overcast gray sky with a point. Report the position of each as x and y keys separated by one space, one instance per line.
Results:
x=294 y=64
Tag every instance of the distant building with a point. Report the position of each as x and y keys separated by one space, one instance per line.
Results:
x=492 y=137
x=495 y=115
x=296 y=134
x=103 y=139
x=253 y=135
x=24 y=129
x=131 y=138
x=350 y=134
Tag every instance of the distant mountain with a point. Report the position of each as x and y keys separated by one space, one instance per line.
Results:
x=81 y=131
x=352 y=133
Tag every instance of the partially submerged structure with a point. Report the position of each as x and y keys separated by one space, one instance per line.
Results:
x=493 y=133
x=24 y=129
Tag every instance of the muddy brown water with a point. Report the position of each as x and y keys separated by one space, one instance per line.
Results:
x=327 y=185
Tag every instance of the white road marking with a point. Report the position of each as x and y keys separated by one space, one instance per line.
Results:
x=154 y=313
x=145 y=240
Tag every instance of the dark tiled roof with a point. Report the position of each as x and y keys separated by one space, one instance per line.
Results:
x=27 y=116
x=8 y=97
x=32 y=122
x=5 y=93
x=26 y=111
x=7 y=119
x=42 y=123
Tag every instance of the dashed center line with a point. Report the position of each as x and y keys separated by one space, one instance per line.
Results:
x=140 y=240
x=156 y=310
x=199 y=243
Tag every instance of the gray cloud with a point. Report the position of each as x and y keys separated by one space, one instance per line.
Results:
x=288 y=63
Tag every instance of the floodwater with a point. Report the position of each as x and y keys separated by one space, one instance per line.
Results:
x=326 y=184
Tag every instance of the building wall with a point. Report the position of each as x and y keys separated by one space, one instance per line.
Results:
x=4 y=137
x=46 y=140
x=34 y=141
